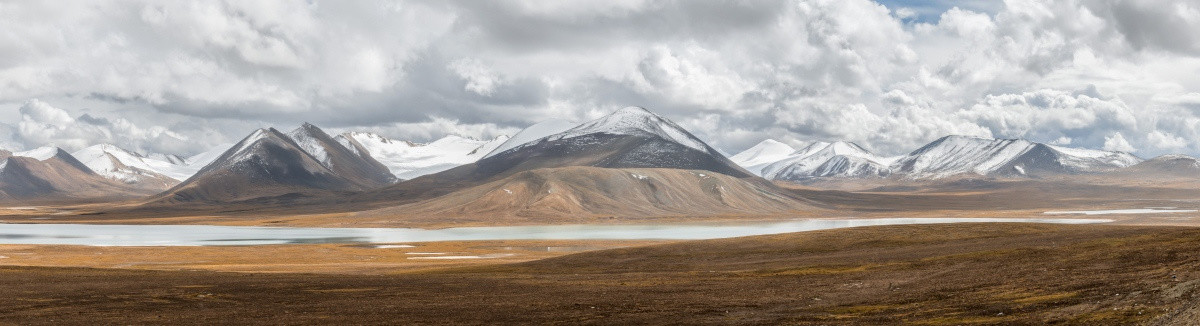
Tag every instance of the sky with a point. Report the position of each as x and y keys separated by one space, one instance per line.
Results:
x=180 y=77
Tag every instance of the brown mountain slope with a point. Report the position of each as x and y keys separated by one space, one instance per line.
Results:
x=589 y=193
x=594 y=165
x=354 y=165
x=1166 y=166
x=628 y=138
x=265 y=164
x=59 y=177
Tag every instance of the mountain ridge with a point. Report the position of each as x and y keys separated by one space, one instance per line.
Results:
x=948 y=156
x=52 y=173
x=265 y=163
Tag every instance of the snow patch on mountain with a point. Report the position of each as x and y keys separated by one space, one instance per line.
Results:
x=198 y=161
x=1087 y=159
x=755 y=158
x=636 y=121
x=488 y=147
x=954 y=155
x=243 y=149
x=40 y=153
x=127 y=166
x=304 y=137
x=822 y=159
x=349 y=144
x=409 y=160
x=533 y=133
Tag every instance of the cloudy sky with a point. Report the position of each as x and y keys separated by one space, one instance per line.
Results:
x=182 y=76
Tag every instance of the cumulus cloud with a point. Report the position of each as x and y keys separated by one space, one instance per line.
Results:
x=46 y=125
x=479 y=78
x=8 y=141
x=1051 y=115
x=891 y=74
x=437 y=128
x=1165 y=140
x=1117 y=142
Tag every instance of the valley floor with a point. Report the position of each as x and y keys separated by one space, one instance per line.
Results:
x=948 y=274
x=962 y=198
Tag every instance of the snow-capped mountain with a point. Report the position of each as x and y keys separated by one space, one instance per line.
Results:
x=766 y=152
x=636 y=121
x=535 y=132
x=265 y=163
x=263 y=146
x=947 y=156
x=407 y=160
x=627 y=138
x=1090 y=160
x=628 y=156
x=133 y=168
x=41 y=153
x=50 y=172
x=955 y=155
x=151 y=171
x=822 y=159
x=354 y=165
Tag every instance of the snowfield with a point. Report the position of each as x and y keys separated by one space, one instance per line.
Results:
x=532 y=133
x=409 y=160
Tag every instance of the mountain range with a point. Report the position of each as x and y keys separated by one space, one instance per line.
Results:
x=631 y=162
x=50 y=173
x=945 y=157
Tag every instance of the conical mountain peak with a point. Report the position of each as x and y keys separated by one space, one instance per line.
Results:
x=763 y=154
x=637 y=121
x=355 y=164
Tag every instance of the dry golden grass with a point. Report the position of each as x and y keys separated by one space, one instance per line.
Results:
x=961 y=274
x=301 y=258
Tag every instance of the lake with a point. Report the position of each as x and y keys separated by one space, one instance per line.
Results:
x=211 y=235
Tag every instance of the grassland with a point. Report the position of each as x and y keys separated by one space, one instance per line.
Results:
x=918 y=274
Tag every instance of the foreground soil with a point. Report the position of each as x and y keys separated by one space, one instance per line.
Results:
x=951 y=274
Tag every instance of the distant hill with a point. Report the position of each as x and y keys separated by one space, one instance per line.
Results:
x=50 y=173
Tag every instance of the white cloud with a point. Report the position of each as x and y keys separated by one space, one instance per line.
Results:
x=8 y=141
x=693 y=75
x=1117 y=142
x=734 y=71
x=479 y=78
x=1049 y=115
x=1165 y=140
x=436 y=128
x=44 y=125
